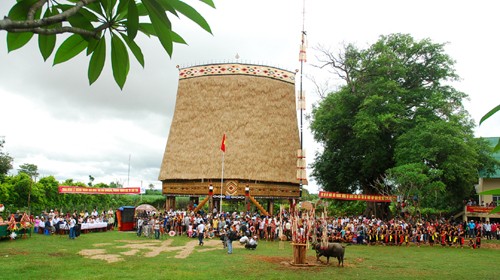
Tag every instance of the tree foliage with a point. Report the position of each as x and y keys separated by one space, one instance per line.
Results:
x=97 y=26
x=5 y=164
x=45 y=195
x=29 y=169
x=396 y=108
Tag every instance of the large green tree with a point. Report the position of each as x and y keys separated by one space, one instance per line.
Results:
x=396 y=108
x=96 y=26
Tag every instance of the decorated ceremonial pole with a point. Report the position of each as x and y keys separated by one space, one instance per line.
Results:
x=300 y=223
x=223 y=149
x=302 y=102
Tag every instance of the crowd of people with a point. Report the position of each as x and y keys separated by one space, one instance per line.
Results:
x=362 y=230
x=252 y=227
x=353 y=229
x=226 y=227
x=55 y=222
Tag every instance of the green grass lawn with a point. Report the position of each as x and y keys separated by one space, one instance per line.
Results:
x=57 y=257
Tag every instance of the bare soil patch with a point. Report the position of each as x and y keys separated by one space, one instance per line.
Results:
x=91 y=252
x=148 y=248
x=491 y=246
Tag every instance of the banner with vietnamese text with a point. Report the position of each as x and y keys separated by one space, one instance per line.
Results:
x=479 y=209
x=364 y=197
x=86 y=190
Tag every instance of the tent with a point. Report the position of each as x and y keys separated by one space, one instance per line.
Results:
x=146 y=207
x=145 y=210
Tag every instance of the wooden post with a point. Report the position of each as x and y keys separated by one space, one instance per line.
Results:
x=299 y=253
x=270 y=206
x=170 y=203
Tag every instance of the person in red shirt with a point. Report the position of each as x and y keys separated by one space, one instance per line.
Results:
x=494 y=227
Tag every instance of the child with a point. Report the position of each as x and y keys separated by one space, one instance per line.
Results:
x=471 y=243
x=478 y=240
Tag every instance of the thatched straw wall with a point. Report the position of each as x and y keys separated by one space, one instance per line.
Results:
x=257 y=114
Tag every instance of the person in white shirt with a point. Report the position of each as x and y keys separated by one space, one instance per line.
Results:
x=201 y=229
x=156 y=227
x=487 y=229
x=139 y=226
x=72 y=223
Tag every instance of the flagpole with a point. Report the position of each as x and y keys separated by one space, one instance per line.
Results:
x=221 y=182
x=223 y=149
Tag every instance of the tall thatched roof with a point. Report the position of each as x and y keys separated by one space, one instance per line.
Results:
x=253 y=105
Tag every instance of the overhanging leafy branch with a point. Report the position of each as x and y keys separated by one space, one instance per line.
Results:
x=90 y=21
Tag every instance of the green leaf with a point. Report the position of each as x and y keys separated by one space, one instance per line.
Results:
x=20 y=10
x=147 y=28
x=489 y=114
x=47 y=43
x=132 y=20
x=192 y=14
x=96 y=63
x=88 y=15
x=209 y=2
x=92 y=44
x=17 y=40
x=166 y=4
x=95 y=7
x=490 y=192
x=80 y=21
x=113 y=4
x=134 y=48
x=177 y=38
x=142 y=10
x=72 y=46
x=122 y=5
x=105 y=6
x=119 y=60
x=160 y=23
x=108 y=6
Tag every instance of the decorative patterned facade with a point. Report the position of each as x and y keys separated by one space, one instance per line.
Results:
x=236 y=69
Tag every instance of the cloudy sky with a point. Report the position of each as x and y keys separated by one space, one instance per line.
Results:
x=51 y=117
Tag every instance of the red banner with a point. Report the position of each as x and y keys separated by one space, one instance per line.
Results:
x=85 y=190
x=479 y=209
x=364 y=197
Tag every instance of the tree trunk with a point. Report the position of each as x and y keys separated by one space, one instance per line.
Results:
x=378 y=210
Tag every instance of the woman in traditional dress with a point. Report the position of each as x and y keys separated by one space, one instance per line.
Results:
x=443 y=236
x=432 y=237
x=461 y=238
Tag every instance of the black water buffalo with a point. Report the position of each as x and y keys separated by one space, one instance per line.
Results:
x=334 y=250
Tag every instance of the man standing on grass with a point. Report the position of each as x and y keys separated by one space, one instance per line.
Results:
x=487 y=229
x=72 y=223
x=139 y=226
x=231 y=236
x=201 y=230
